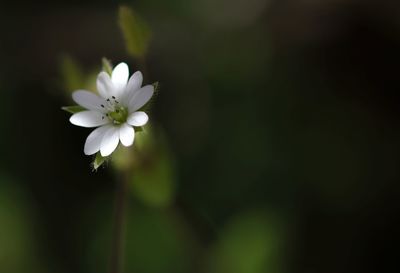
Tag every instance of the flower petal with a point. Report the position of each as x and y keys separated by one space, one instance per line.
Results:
x=120 y=74
x=134 y=83
x=119 y=78
x=126 y=134
x=109 y=141
x=89 y=119
x=138 y=118
x=88 y=100
x=105 y=87
x=93 y=141
x=140 y=98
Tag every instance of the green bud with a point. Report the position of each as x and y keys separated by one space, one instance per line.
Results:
x=107 y=66
x=136 y=32
x=98 y=161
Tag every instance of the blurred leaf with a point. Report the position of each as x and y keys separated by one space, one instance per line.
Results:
x=73 y=77
x=107 y=66
x=155 y=185
x=17 y=249
x=122 y=158
x=136 y=32
x=153 y=178
x=98 y=161
x=73 y=109
x=251 y=243
x=154 y=240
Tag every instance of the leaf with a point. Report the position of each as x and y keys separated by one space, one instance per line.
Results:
x=154 y=178
x=73 y=109
x=72 y=74
x=16 y=228
x=154 y=240
x=136 y=32
x=98 y=161
x=252 y=242
x=155 y=186
x=107 y=66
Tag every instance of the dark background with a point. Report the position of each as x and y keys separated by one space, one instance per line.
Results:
x=282 y=121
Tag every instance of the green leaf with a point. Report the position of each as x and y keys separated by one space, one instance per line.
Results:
x=252 y=242
x=154 y=177
x=107 y=66
x=73 y=77
x=18 y=252
x=73 y=109
x=154 y=240
x=98 y=161
x=136 y=32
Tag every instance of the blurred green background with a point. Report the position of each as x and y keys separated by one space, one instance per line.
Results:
x=278 y=137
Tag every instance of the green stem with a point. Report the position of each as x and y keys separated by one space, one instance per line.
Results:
x=117 y=247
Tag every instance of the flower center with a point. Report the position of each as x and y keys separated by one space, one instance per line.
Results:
x=119 y=115
x=116 y=112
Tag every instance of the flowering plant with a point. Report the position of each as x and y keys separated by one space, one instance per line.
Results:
x=115 y=111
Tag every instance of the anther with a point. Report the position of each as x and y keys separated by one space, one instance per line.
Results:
x=113 y=97
x=102 y=105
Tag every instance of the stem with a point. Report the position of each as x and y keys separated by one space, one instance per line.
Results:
x=117 y=247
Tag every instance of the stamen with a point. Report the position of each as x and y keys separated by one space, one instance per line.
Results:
x=113 y=97
x=102 y=105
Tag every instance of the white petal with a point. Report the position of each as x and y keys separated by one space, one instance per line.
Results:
x=134 y=83
x=105 y=87
x=140 y=98
x=109 y=141
x=89 y=119
x=119 y=78
x=88 y=100
x=93 y=141
x=126 y=134
x=120 y=74
x=138 y=118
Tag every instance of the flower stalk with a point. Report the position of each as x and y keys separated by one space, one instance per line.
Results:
x=119 y=225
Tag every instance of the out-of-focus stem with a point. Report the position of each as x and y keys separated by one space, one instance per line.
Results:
x=118 y=239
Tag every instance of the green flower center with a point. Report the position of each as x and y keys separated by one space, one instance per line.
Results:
x=119 y=115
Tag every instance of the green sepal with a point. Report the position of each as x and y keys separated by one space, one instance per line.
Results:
x=135 y=31
x=73 y=109
x=107 y=65
x=98 y=161
x=156 y=86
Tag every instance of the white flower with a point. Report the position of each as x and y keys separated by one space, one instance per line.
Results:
x=114 y=112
